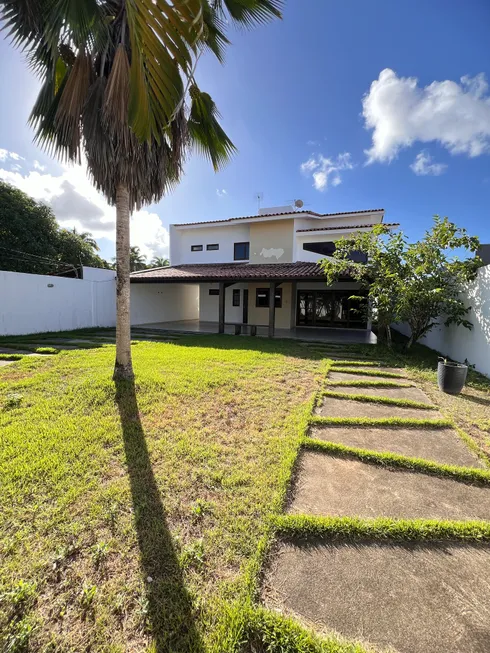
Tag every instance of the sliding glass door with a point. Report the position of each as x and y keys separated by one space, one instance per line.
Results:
x=329 y=308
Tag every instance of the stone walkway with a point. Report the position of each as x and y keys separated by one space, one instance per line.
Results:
x=90 y=339
x=422 y=596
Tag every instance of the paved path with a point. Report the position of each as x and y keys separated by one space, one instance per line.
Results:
x=416 y=597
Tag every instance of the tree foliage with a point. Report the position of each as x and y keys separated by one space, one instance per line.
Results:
x=32 y=241
x=418 y=283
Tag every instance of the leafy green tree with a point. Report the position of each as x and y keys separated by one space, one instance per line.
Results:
x=28 y=233
x=118 y=82
x=87 y=237
x=77 y=251
x=417 y=283
x=32 y=241
x=159 y=262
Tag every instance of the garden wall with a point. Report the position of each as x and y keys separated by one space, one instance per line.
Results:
x=35 y=303
x=459 y=343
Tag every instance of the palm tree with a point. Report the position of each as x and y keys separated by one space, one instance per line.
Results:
x=159 y=262
x=87 y=237
x=137 y=259
x=118 y=85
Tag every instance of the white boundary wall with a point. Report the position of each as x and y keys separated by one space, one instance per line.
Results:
x=459 y=343
x=35 y=303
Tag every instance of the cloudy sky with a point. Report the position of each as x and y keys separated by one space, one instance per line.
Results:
x=346 y=105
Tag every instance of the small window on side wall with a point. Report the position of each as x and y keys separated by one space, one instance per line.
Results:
x=213 y=247
x=214 y=291
x=196 y=248
x=262 y=298
x=236 y=297
x=241 y=251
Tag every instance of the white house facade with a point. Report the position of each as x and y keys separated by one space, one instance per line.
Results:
x=251 y=274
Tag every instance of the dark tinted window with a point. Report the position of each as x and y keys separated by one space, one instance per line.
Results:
x=262 y=297
x=241 y=251
x=236 y=297
x=213 y=247
x=214 y=291
x=196 y=248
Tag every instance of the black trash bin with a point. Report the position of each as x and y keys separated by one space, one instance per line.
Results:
x=451 y=377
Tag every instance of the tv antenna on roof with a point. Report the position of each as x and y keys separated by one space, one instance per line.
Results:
x=259 y=197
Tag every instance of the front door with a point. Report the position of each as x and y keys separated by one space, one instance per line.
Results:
x=329 y=308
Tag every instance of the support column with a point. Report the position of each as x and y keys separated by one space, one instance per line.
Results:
x=221 y=316
x=272 y=308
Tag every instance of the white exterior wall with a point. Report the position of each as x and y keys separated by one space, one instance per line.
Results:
x=164 y=302
x=209 y=304
x=36 y=303
x=459 y=343
x=182 y=240
x=299 y=254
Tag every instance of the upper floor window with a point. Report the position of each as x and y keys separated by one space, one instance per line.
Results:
x=213 y=247
x=196 y=248
x=241 y=251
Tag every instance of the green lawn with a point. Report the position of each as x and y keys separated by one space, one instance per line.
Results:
x=135 y=519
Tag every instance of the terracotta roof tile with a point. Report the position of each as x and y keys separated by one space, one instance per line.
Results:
x=272 y=215
x=197 y=272
x=349 y=226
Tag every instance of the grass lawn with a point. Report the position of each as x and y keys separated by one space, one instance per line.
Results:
x=135 y=518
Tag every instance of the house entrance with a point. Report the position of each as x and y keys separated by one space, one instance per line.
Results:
x=330 y=308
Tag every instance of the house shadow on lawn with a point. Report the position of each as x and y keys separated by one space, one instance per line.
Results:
x=170 y=613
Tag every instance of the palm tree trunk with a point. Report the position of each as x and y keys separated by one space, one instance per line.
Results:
x=123 y=368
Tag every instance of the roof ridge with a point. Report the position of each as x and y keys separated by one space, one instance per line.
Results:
x=272 y=215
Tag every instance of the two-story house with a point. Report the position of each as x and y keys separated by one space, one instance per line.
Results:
x=258 y=270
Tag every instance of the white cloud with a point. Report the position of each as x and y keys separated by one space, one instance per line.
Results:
x=76 y=203
x=5 y=155
x=423 y=165
x=322 y=169
x=400 y=112
x=38 y=166
x=221 y=192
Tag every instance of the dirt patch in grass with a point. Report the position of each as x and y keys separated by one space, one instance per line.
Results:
x=138 y=513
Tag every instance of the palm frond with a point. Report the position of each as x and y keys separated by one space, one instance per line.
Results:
x=117 y=91
x=214 y=35
x=249 y=13
x=206 y=133
x=71 y=104
x=164 y=36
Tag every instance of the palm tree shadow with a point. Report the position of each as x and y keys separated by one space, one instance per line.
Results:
x=170 y=614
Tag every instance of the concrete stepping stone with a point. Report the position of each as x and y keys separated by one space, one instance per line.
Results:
x=415 y=599
x=347 y=376
x=439 y=445
x=412 y=393
x=342 y=487
x=367 y=369
x=332 y=407
x=7 y=350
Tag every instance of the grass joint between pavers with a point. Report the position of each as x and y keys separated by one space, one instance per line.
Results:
x=373 y=399
x=465 y=474
x=382 y=422
x=380 y=529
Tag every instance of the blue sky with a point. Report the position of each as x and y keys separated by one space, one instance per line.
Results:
x=314 y=117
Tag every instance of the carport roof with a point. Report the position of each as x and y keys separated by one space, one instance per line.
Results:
x=206 y=272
